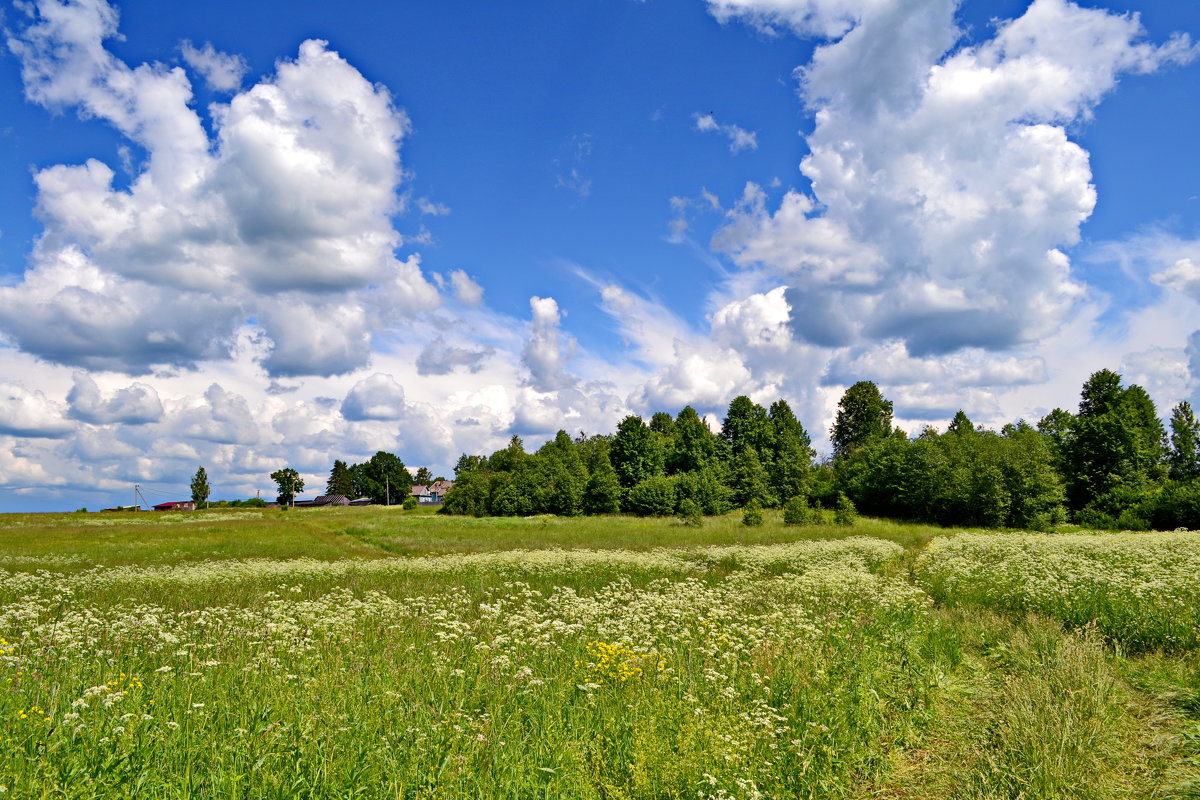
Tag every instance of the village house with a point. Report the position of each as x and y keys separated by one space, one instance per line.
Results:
x=181 y=505
x=432 y=495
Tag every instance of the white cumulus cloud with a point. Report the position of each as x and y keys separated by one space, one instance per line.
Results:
x=944 y=184
x=283 y=216
x=222 y=71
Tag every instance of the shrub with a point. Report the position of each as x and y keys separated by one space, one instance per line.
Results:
x=797 y=512
x=845 y=513
x=689 y=513
x=753 y=513
x=706 y=488
x=410 y=503
x=653 y=497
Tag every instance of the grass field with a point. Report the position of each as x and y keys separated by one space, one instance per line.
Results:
x=381 y=653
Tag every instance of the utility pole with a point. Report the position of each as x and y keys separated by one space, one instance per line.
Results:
x=387 y=488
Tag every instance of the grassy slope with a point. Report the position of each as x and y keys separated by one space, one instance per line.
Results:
x=332 y=533
x=1022 y=710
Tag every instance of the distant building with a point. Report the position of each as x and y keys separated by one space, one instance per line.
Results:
x=182 y=505
x=324 y=500
x=432 y=495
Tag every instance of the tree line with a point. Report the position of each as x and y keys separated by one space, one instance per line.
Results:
x=1111 y=464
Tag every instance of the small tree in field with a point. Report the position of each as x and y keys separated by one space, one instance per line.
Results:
x=690 y=513
x=797 y=512
x=200 y=487
x=845 y=513
x=752 y=516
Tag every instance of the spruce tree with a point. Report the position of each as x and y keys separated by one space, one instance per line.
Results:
x=340 y=481
x=1185 y=443
x=792 y=459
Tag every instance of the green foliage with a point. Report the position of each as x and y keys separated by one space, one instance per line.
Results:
x=791 y=461
x=653 y=497
x=382 y=478
x=863 y=416
x=748 y=479
x=797 y=511
x=823 y=486
x=1184 y=457
x=410 y=503
x=961 y=477
x=635 y=453
x=961 y=425
x=661 y=422
x=1116 y=440
x=747 y=425
x=752 y=514
x=423 y=477
x=200 y=488
x=844 y=513
x=340 y=480
x=1138 y=589
x=290 y=484
x=694 y=447
x=603 y=492
x=253 y=502
x=707 y=488
x=510 y=459
x=467 y=464
x=469 y=495
x=690 y=513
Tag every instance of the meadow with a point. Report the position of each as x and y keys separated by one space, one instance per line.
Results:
x=381 y=653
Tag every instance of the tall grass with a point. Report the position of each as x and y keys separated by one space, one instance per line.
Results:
x=1141 y=589
x=751 y=684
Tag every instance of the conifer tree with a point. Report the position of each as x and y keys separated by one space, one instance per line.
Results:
x=340 y=480
x=1185 y=443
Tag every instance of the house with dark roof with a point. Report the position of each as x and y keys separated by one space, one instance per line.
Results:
x=323 y=500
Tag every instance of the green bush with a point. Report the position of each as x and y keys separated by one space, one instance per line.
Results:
x=797 y=512
x=690 y=514
x=410 y=503
x=752 y=515
x=653 y=497
x=845 y=513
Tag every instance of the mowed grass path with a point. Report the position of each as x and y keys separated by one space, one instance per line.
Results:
x=382 y=653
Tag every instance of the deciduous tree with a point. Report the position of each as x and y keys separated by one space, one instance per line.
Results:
x=290 y=484
x=200 y=488
x=863 y=416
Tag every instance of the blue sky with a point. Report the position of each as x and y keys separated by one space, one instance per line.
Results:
x=243 y=235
